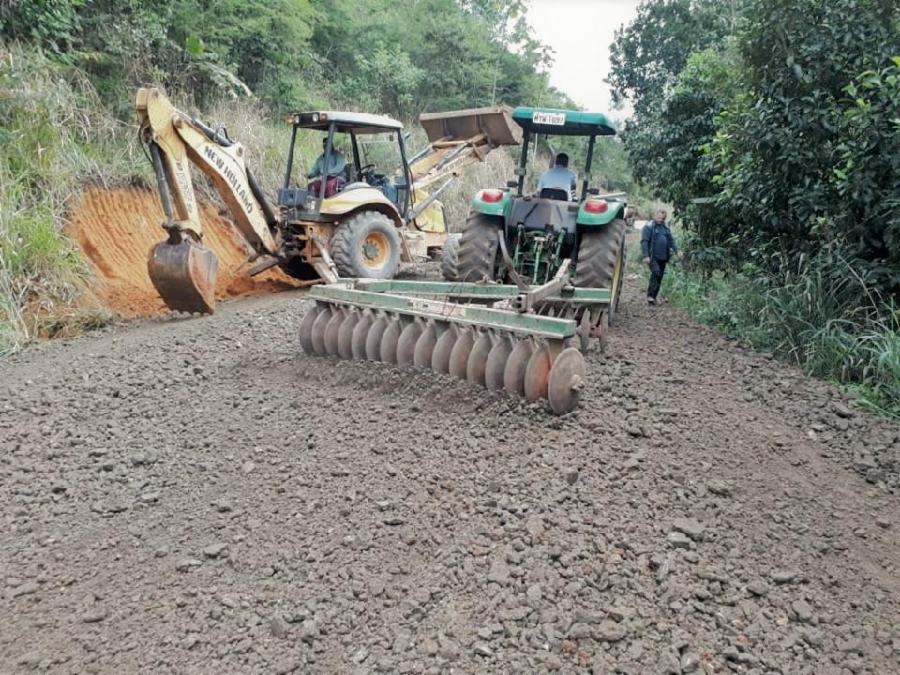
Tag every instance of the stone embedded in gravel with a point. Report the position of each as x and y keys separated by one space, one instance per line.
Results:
x=841 y=410
x=571 y=475
x=248 y=467
x=94 y=615
x=803 y=610
x=482 y=649
x=150 y=497
x=28 y=588
x=758 y=587
x=609 y=631
x=782 y=577
x=679 y=540
x=580 y=631
x=499 y=572
x=534 y=594
x=688 y=526
x=719 y=488
x=309 y=630
x=215 y=550
x=278 y=626
x=883 y=522
x=534 y=525
x=393 y=521
x=690 y=662
x=185 y=564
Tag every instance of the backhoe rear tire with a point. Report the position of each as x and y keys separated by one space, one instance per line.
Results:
x=601 y=261
x=367 y=245
x=477 y=256
x=450 y=258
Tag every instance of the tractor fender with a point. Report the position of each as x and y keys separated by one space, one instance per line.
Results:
x=587 y=221
x=491 y=208
x=346 y=203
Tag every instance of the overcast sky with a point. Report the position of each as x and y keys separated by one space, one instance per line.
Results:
x=580 y=32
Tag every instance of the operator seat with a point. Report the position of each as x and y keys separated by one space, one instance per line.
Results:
x=555 y=193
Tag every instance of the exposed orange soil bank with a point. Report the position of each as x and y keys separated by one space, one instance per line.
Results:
x=116 y=228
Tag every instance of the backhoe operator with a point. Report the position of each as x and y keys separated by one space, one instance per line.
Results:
x=337 y=164
x=560 y=177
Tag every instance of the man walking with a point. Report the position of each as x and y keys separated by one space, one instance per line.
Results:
x=658 y=245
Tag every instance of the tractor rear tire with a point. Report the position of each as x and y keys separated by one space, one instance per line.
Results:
x=598 y=255
x=366 y=246
x=478 y=245
x=450 y=258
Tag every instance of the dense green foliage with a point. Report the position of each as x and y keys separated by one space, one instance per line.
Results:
x=398 y=58
x=773 y=127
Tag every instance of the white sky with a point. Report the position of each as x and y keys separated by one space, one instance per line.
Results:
x=580 y=33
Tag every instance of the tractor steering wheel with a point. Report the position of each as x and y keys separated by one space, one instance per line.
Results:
x=366 y=173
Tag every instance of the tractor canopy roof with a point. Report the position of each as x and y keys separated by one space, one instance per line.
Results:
x=358 y=123
x=563 y=122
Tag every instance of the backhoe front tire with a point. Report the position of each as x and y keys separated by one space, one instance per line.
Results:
x=477 y=256
x=367 y=245
x=450 y=258
x=601 y=261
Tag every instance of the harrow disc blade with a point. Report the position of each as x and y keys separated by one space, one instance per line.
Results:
x=440 y=358
x=389 y=340
x=331 y=332
x=459 y=357
x=373 y=339
x=537 y=374
x=345 y=335
x=478 y=357
x=318 y=331
x=360 y=333
x=406 y=345
x=306 y=329
x=567 y=377
x=514 y=373
x=496 y=364
x=425 y=347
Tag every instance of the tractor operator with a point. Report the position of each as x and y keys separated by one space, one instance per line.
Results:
x=658 y=245
x=337 y=164
x=560 y=177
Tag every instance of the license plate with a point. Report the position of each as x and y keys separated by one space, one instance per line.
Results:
x=553 y=118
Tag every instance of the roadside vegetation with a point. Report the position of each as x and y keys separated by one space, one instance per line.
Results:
x=773 y=129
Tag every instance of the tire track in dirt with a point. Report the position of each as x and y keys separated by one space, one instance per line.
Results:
x=117 y=227
x=199 y=495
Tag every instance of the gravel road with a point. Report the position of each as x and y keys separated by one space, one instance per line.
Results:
x=198 y=496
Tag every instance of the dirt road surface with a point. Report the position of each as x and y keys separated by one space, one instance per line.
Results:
x=198 y=496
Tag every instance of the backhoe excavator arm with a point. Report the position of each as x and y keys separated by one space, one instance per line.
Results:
x=181 y=268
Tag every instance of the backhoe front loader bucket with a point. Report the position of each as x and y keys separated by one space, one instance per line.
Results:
x=459 y=125
x=183 y=272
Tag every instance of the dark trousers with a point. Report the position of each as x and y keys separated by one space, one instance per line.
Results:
x=657 y=270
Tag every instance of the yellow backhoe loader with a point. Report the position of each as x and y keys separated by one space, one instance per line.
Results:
x=341 y=219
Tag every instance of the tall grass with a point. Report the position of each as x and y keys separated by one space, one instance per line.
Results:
x=819 y=314
x=54 y=134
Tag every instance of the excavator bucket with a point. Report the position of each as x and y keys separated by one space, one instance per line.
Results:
x=184 y=274
x=496 y=124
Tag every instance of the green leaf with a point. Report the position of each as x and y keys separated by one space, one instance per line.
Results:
x=194 y=45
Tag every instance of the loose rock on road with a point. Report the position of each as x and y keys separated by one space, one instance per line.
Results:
x=201 y=496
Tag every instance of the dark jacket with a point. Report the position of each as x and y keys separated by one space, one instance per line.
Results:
x=657 y=241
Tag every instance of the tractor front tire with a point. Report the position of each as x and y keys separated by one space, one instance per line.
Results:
x=450 y=258
x=477 y=255
x=367 y=245
x=601 y=261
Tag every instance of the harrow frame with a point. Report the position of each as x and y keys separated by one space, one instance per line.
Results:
x=525 y=339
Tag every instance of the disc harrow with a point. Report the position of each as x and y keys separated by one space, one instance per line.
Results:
x=475 y=332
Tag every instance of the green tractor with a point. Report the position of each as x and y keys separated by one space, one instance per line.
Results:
x=514 y=237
